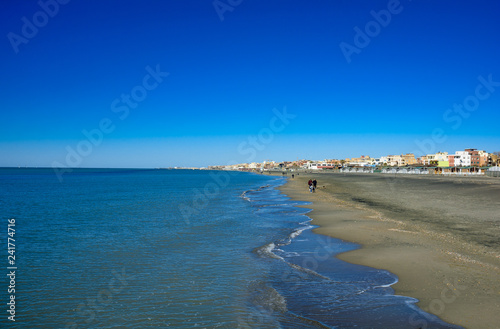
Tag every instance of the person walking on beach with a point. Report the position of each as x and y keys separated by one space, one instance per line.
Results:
x=315 y=183
x=310 y=183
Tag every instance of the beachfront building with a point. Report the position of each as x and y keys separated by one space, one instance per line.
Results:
x=268 y=164
x=433 y=159
x=392 y=160
x=327 y=165
x=362 y=161
x=423 y=160
x=396 y=160
x=310 y=165
x=320 y=165
x=478 y=158
x=459 y=159
x=483 y=158
x=336 y=162
x=407 y=159
x=493 y=160
x=298 y=164
x=231 y=167
x=254 y=165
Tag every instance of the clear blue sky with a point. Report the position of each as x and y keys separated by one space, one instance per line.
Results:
x=225 y=77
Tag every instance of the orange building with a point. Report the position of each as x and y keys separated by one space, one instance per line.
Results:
x=478 y=158
x=408 y=159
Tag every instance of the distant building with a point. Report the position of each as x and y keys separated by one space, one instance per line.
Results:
x=362 y=161
x=311 y=165
x=268 y=164
x=493 y=160
x=478 y=158
x=459 y=159
x=334 y=161
x=254 y=165
x=407 y=159
x=319 y=165
x=396 y=160
x=433 y=159
x=365 y=159
x=393 y=160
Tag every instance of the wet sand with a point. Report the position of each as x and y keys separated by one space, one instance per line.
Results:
x=439 y=235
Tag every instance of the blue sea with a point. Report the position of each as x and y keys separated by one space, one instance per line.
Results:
x=119 y=248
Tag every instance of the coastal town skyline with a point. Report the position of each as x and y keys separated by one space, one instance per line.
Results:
x=470 y=157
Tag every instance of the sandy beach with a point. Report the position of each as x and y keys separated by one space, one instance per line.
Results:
x=439 y=235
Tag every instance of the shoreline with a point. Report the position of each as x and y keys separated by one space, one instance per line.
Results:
x=444 y=250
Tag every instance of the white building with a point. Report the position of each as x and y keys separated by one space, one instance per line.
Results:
x=318 y=165
x=310 y=166
x=254 y=165
x=461 y=158
x=392 y=160
x=360 y=163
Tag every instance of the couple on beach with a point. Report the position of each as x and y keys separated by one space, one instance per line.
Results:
x=312 y=185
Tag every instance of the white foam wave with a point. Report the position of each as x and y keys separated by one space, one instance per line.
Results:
x=267 y=251
x=394 y=277
x=291 y=254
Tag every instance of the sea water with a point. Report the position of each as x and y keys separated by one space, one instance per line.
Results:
x=118 y=248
